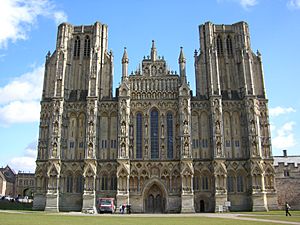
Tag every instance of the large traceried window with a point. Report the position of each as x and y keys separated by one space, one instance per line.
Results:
x=79 y=184
x=229 y=45
x=154 y=134
x=113 y=183
x=204 y=183
x=139 y=135
x=87 y=46
x=170 y=135
x=219 y=46
x=77 y=47
x=240 y=183
x=69 y=184
x=104 y=183
x=230 y=184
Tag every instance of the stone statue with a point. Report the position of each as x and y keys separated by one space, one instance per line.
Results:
x=54 y=150
x=185 y=127
x=218 y=129
x=123 y=128
x=123 y=150
x=186 y=149
x=90 y=151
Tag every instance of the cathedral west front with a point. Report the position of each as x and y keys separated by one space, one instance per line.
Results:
x=154 y=145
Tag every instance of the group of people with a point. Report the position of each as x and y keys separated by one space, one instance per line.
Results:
x=125 y=207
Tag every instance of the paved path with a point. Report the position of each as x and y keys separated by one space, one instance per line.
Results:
x=233 y=216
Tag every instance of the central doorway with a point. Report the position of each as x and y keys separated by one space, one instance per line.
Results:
x=154 y=201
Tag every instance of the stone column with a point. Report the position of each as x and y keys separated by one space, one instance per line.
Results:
x=259 y=199
x=90 y=162
x=218 y=165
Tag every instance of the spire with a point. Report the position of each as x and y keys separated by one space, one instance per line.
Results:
x=125 y=62
x=181 y=61
x=125 y=56
x=181 y=56
x=153 y=51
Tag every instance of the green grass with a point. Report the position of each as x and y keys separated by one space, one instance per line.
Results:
x=275 y=212
x=6 y=205
x=274 y=215
x=42 y=218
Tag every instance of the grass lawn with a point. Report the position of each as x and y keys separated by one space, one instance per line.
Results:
x=42 y=218
x=274 y=215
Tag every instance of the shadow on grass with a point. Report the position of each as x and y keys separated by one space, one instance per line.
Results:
x=7 y=205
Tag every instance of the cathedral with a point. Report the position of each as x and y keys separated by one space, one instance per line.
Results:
x=155 y=145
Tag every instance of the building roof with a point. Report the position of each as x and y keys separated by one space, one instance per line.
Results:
x=295 y=159
x=9 y=174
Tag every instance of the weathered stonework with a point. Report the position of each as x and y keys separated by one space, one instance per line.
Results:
x=154 y=145
x=287 y=171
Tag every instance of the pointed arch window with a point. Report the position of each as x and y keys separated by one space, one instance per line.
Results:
x=87 y=46
x=79 y=184
x=154 y=134
x=104 y=183
x=170 y=135
x=219 y=46
x=69 y=184
x=230 y=184
x=139 y=135
x=204 y=183
x=229 y=46
x=113 y=183
x=240 y=183
x=77 y=47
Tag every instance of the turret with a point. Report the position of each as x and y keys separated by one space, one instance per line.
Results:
x=153 y=52
x=181 y=61
x=125 y=62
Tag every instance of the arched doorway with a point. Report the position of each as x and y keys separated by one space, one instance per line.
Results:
x=154 y=202
x=28 y=192
x=202 y=206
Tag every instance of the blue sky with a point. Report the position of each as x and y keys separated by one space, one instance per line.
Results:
x=28 y=32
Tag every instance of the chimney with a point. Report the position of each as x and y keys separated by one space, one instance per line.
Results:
x=285 y=153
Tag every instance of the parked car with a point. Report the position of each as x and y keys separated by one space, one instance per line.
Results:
x=106 y=205
x=9 y=198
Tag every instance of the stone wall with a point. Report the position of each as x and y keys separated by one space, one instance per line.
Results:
x=287 y=174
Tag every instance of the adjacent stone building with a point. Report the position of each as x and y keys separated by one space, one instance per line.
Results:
x=7 y=181
x=12 y=184
x=155 y=145
x=287 y=173
x=25 y=183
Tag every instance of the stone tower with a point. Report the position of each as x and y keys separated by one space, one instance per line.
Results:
x=77 y=75
x=230 y=77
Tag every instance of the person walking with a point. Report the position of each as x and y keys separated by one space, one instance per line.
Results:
x=287 y=208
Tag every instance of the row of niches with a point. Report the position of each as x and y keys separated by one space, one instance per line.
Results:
x=154 y=95
x=155 y=84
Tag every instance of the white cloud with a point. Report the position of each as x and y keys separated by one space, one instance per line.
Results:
x=280 y=110
x=293 y=4
x=284 y=136
x=244 y=3
x=59 y=17
x=26 y=162
x=18 y=16
x=247 y=3
x=20 y=112
x=20 y=98
x=24 y=88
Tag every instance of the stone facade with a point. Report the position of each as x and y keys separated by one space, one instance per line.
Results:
x=287 y=174
x=12 y=184
x=25 y=183
x=155 y=145
x=7 y=182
